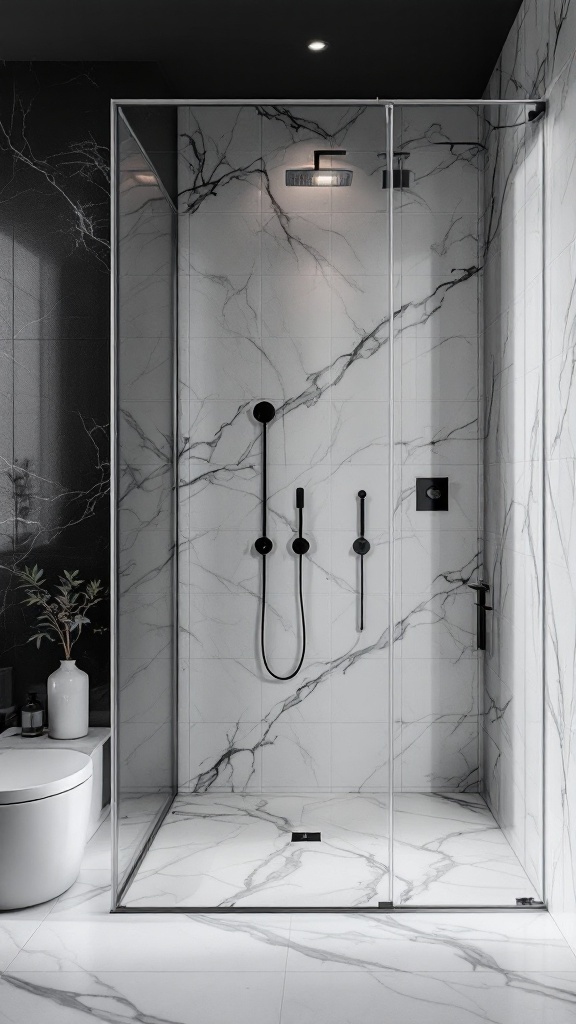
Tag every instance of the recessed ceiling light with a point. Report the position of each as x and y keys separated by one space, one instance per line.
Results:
x=317 y=44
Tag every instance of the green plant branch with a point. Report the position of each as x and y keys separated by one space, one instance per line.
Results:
x=62 y=613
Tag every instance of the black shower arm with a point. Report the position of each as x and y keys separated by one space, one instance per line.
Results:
x=326 y=152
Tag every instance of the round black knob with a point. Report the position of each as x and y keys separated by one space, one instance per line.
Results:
x=361 y=546
x=433 y=493
x=263 y=545
x=300 y=545
x=361 y=494
x=264 y=412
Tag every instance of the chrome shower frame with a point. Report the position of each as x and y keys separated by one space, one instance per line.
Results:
x=119 y=887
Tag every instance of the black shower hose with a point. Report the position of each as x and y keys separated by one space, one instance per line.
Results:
x=263 y=620
x=300 y=576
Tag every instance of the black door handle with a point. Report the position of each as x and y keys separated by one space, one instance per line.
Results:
x=482 y=588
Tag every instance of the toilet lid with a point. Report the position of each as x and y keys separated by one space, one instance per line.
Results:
x=35 y=774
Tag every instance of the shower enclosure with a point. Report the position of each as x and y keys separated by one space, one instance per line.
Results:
x=328 y=505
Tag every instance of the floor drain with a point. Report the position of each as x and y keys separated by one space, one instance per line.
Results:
x=306 y=837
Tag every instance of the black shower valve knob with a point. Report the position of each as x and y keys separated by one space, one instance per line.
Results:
x=361 y=546
x=300 y=546
x=263 y=545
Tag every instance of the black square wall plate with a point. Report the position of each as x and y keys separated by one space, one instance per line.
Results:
x=432 y=494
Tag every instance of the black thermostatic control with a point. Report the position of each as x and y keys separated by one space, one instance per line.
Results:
x=432 y=494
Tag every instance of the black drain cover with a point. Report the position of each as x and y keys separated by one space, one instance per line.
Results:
x=306 y=837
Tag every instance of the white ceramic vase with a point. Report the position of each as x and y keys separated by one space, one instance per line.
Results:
x=67 y=702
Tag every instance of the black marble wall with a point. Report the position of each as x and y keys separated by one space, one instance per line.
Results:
x=54 y=342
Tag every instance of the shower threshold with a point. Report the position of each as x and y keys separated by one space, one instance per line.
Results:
x=232 y=851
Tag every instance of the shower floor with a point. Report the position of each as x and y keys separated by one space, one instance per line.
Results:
x=235 y=850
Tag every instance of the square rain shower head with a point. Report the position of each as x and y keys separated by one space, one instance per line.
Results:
x=320 y=176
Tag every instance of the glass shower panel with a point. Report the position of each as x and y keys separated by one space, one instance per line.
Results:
x=145 y=520
x=284 y=299
x=468 y=350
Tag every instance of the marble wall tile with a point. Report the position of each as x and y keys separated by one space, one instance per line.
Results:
x=285 y=296
x=438 y=756
x=539 y=58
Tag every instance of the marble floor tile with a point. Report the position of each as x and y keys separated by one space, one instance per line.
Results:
x=13 y=936
x=236 y=850
x=18 y=926
x=89 y=895
x=386 y=998
x=298 y=998
x=169 y=998
x=464 y=942
x=156 y=943
x=136 y=814
x=69 y=960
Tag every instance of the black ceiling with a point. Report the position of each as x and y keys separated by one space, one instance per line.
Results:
x=257 y=48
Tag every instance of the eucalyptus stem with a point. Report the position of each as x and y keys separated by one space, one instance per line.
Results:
x=62 y=610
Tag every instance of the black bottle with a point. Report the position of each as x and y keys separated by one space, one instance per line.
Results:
x=32 y=716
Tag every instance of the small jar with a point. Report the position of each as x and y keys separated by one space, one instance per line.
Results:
x=32 y=716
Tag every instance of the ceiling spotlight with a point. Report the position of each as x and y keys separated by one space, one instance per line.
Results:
x=317 y=44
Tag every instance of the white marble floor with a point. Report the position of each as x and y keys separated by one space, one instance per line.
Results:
x=236 y=850
x=69 y=961
x=136 y=816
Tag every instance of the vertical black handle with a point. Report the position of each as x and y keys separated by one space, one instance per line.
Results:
x=362 y=546
x=362 y=496
x=264 y=413
x=300 y=545
x=482 y=588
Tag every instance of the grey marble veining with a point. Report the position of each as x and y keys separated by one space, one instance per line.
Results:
x=236 y=850
x=70 y=959
x=283 y=297
x=54 y=326
x=538 y=57
x=513 y=451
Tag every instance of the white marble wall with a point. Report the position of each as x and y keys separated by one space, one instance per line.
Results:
x=513 y=483
x=437 y=434
x=283 y=296
x=539 y=57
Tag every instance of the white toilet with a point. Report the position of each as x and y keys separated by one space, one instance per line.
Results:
x=45 y=798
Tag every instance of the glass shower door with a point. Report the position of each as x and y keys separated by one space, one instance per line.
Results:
x=284 y=783
x=468 y=450
x=144 y=571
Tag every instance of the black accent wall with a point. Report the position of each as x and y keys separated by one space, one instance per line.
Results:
x=54 y=339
